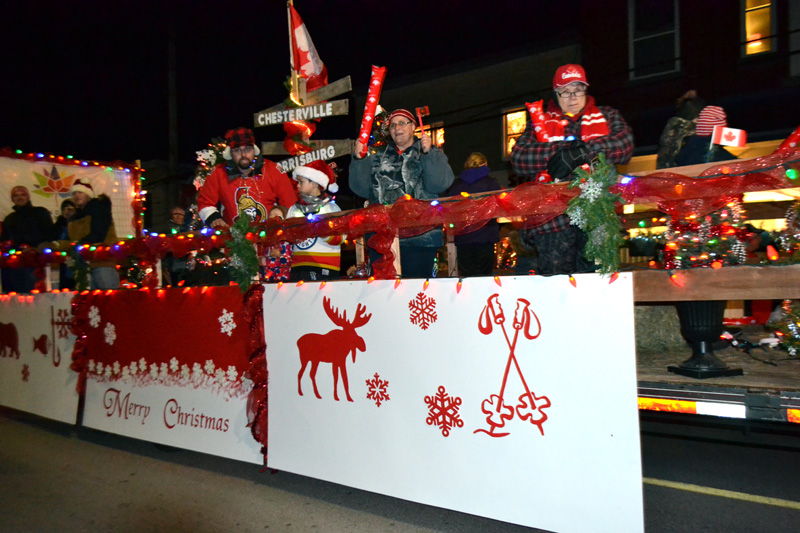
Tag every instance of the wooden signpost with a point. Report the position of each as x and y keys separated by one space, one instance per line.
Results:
x=311 y=106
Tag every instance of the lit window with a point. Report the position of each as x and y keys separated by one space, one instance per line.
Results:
x=653 y=38
x=513 y=127
x=437 y=133
x=758 y=27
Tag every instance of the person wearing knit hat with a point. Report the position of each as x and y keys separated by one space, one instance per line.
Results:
x=316 y=258
x=698 y=148
x=678 y=128
x=92 y=223
x=245 y=184
x=26 y=225
x=571 y=132
x=407 y=165
x=709 y=117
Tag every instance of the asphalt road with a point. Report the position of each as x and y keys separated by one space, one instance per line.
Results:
x=55 y=477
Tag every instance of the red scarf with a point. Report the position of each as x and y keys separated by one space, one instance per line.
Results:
x=593 y=123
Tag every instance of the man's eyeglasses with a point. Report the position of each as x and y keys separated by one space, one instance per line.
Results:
x=242 y=149
x=577 y=93
x=400 y=124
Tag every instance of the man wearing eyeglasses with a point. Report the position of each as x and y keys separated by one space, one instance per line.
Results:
x=577 y=130
x=406 y=165
x=246 y=185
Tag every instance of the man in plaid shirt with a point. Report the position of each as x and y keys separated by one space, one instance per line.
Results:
x=570 y=133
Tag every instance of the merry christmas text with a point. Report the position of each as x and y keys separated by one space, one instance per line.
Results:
x=174 y=415
x=122 y=406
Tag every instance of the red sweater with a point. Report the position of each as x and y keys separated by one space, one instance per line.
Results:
x=254 y=196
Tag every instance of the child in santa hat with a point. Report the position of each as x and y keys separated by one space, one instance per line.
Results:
x=316 y=258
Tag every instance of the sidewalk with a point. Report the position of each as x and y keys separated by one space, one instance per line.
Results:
x=56 y=477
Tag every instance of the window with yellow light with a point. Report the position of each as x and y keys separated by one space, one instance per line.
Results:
x=435 y=130
x=759 y=24
x=513 y=127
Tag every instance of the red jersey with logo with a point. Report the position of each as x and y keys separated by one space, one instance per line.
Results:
x=253 y=196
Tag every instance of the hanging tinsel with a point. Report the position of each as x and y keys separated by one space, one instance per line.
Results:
x=207 y=160
x=788 y=328
x=717 y=239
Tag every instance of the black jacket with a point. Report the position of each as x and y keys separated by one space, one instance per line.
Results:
x=28 y=225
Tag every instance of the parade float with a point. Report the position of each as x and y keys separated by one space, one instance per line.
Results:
x=502 y=396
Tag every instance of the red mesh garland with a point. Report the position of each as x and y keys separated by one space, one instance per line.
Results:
x=527 y=205
x=257 y=413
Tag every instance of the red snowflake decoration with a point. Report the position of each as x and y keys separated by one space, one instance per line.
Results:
x=443 y=411
x=26 y=373
x=423 y=311
x=63 y=323
x=377 y=390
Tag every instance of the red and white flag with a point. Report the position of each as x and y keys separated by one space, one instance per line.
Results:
x=303 y=56
x=729 y=136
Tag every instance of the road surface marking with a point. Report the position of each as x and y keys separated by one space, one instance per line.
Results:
x=789 y=504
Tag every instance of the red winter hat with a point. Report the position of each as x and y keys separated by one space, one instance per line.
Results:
x=82 y=186
x=239 y=137
x=320 y=173
x=567 y=74
x=401 y=113
x=709 y=117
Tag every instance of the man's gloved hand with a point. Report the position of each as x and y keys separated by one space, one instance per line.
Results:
x=563 y=162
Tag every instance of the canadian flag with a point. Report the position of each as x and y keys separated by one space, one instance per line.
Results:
x=303 y=56
x=729 y=136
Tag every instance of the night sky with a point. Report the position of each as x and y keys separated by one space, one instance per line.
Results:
x=89 y=79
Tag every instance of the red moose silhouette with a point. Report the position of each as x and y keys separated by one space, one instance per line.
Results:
x=332 y=347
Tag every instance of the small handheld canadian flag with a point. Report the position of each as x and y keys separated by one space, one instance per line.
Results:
x=729 y=136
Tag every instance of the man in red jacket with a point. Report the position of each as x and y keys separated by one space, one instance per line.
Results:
x=245 y=185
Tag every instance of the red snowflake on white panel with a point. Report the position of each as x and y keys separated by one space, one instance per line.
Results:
x=423 y=311
x=377 y=390
x=443 y=411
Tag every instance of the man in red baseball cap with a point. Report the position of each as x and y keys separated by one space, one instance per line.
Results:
x=246 y=184
x=577 y=130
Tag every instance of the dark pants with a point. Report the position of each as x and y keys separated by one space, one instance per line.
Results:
x=559 y=252
x=415 y=261
x=475 y=259
x=18 y=279
x=309 y=273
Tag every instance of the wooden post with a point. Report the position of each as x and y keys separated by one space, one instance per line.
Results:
x=361 y=250
x=160 y=274
x=452 y=256
x=48 y=283
x=396 y=251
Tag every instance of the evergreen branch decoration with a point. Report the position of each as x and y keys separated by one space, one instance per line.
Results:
x=243 y=260
x=79 y=268
x=593 y=212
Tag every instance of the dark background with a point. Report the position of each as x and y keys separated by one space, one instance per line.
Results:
x=90 y=79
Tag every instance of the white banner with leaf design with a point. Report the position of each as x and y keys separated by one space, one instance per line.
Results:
x=513 y=402
x=49 y=182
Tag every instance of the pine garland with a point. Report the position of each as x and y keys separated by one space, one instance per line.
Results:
x=242 y=257
x=593 y=212
x=79 y=268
